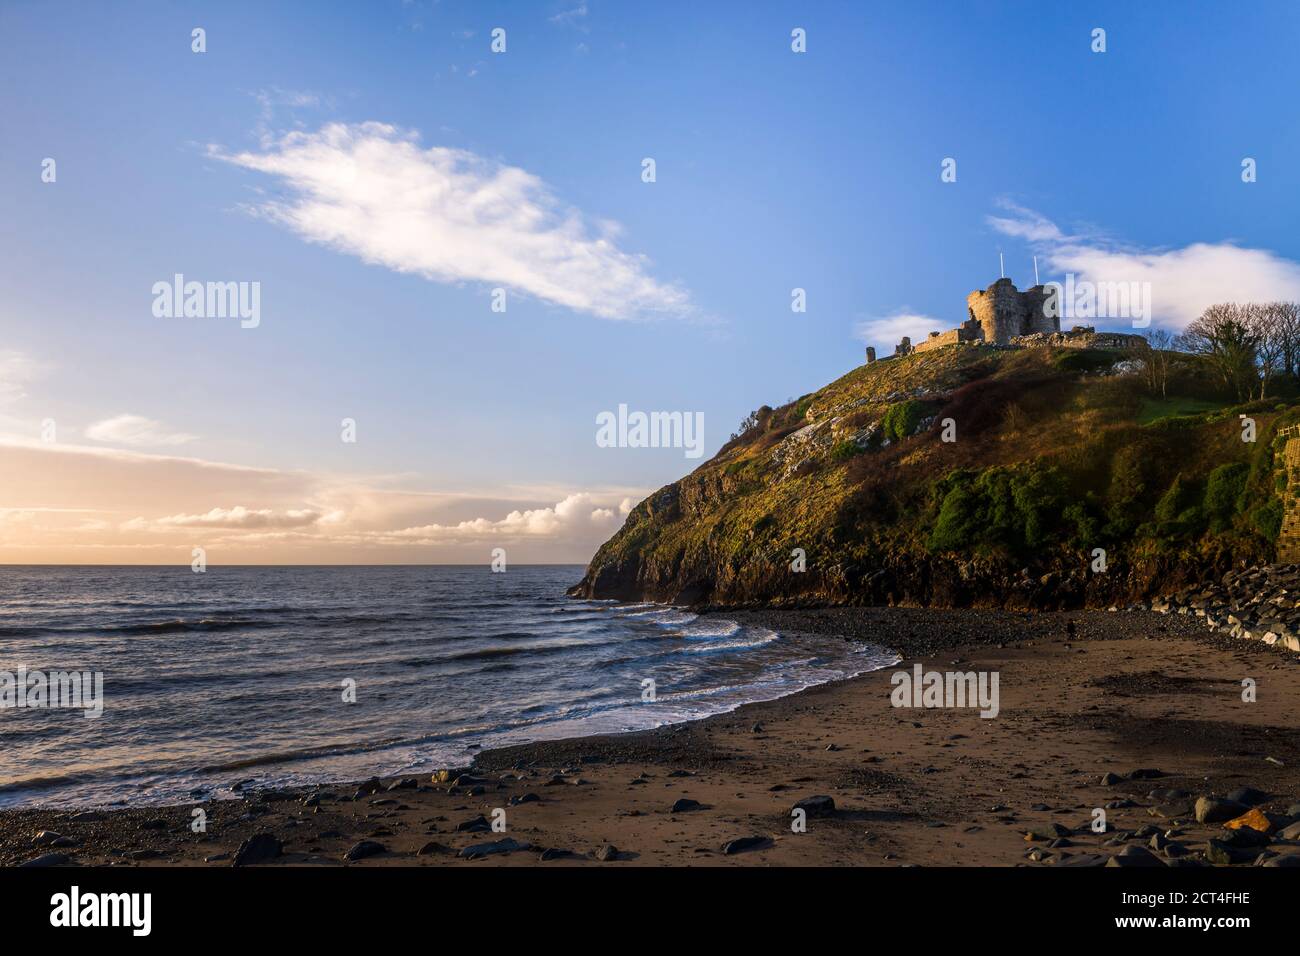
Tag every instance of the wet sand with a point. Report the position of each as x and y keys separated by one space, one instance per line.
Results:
x=1082 y=694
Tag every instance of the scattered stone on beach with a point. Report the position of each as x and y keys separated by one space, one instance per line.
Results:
x=607 y=853
x=1135 y=856
x=1288 y=860
x=556 y=853
x=506 y=845
x=1255 y=819
x=1224 y=855
x=366 y=848
x=146 y=854
x=686 y=805
x=741 y=844
x=258 y=848
x=818 y=806
x=51 y=838
x=47 y=859
x=88 y=816
x=432 y=847
x=1145 y=773
x=1248 y=796
x=478 y=824
x=1291 y=832
x=524 y=798
x=1085 y=860
x=1047 y=832
x=1216 y=810
x=1109 y=779
x=1244 y=837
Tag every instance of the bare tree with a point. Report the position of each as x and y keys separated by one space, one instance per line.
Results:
x=1155 y=360
x=1223 y=336
x=1286 y=316
x=1264 y=322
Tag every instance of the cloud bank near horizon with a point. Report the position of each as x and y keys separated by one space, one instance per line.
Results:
x=370 y=190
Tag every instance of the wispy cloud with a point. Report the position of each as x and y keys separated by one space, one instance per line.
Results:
x=17 y=369
x=136 y=431
x=573 y=16
x=1183 y=280
x=449 y=215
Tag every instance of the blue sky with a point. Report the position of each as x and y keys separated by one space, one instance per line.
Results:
x=775 y=170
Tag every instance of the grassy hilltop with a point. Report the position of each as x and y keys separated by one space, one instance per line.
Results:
x=1058 y=451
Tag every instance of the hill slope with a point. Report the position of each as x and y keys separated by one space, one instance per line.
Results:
x=1055 y=453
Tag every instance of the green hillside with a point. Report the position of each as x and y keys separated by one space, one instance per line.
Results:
x=1057 y=452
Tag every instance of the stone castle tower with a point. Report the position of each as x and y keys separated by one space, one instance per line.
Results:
x=1003 y=312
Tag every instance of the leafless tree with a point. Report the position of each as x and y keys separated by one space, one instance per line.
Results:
x=1155 y=360
x=1223 y=335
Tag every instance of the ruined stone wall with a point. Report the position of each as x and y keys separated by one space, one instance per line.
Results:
x=969 y=331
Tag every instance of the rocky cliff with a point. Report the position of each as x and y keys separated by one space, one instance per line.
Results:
x=967 y=476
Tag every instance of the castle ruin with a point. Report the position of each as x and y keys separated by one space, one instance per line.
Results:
x=1003 y=315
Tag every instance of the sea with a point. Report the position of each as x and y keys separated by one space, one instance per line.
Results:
x=245 y=677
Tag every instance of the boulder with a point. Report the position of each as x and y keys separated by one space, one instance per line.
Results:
x=1216 y=810
x=258 y=848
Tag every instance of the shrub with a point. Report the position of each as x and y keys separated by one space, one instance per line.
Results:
x=1267 y=519
x=1223 y=491
x=901 y=420
x=845 y=450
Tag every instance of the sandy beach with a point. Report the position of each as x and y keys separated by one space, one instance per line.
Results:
x=1155 y=701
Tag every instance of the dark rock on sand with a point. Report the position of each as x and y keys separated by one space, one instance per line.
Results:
x=429 y=849
x=1135 y=856
x=478 y=850
x=1146 y=773
x=51 y=838
x=524 y=798
x=365 y=848
x=1248 y=796
x=685 y=805
x=741 y=844
x=258 y=848
x=478 y=824
x=1050 y=831
x=1288 y=860
x=1224 y=855
x=556 y=853
x=819 y=806
x=607 y=853
x=47 y=859
x=1109 y=779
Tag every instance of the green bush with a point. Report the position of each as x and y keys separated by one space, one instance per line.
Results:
x=1018 y=506
x=1223 y=492
x=901 y=420
x=1267 y=519
x=845 y=450
x=1174 y=501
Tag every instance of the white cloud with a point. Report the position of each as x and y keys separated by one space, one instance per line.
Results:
x=574 y=16
x=888 y=330
x=236 y=517
x=67 y=503
x=135 y=430
x=449 y=215
x=16 y=370
x=574 y=512
x=1183 y=281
